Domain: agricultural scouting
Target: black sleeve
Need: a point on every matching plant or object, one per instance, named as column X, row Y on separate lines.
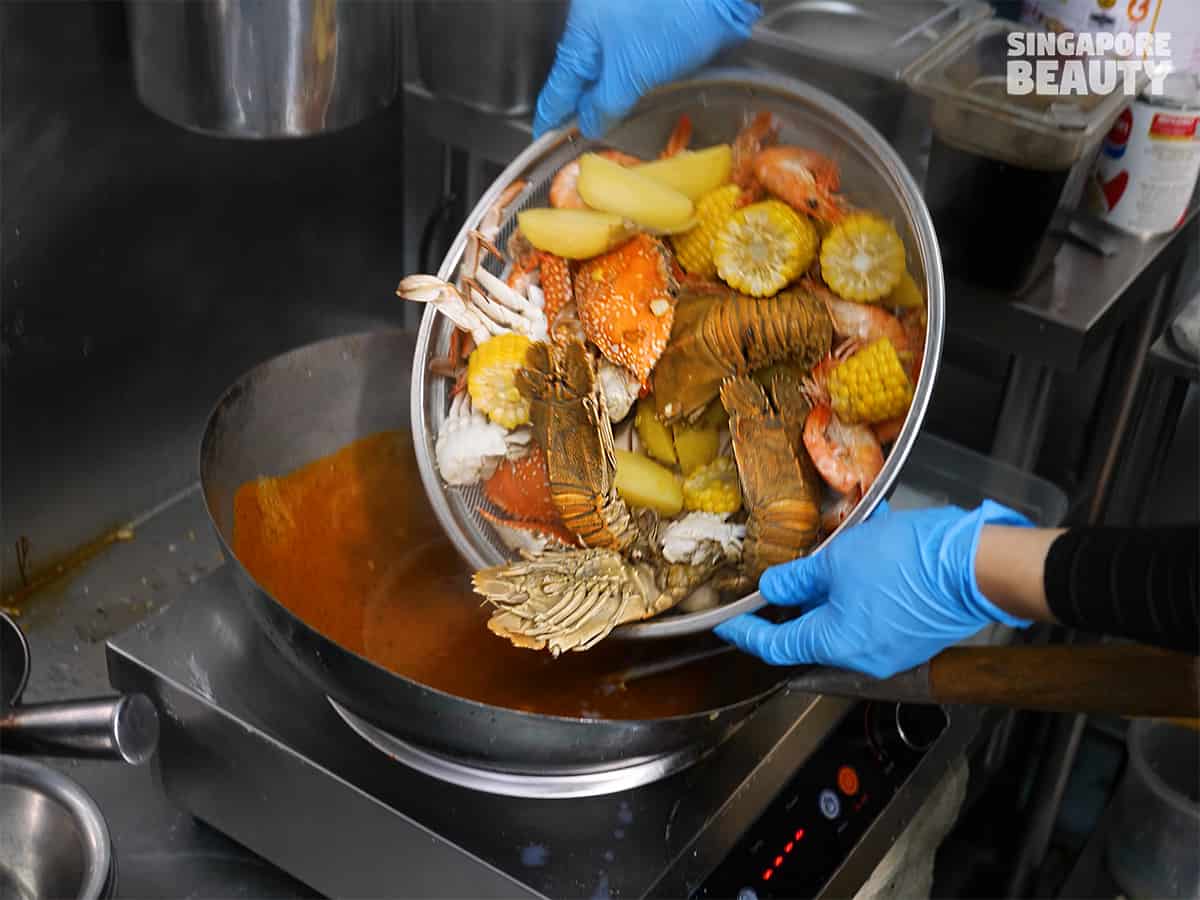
column 1137, row 583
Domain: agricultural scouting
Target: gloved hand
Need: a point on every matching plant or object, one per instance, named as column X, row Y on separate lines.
column 613, row 51
column 883, row 597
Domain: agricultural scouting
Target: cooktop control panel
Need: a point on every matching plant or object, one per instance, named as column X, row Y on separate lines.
column 799, row 841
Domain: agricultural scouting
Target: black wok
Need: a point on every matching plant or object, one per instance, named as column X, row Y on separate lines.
column 313, row 401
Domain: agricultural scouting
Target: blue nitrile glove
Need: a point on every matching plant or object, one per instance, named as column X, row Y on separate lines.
column 613, row 51
column 883, row 597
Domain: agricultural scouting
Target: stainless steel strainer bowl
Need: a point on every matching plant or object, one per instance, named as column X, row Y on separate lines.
column 719, row 102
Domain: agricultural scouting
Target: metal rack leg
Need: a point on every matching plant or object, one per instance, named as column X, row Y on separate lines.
column 1050, row 785
column 1148, row 329
column 1060, row 757
column 1024, row 409
column 1162, row 446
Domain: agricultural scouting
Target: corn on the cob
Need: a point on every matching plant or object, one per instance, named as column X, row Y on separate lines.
column 491, row 379
column 870, row 386
column 713, row 488
column 693, row 248
column 862, row 258
column 764, row 246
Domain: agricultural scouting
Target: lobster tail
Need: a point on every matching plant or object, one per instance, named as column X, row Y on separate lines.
column 717, row 336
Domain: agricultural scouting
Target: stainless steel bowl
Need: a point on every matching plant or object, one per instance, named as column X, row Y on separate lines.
column 254, row 69
column 873, row 176
column 53, row 839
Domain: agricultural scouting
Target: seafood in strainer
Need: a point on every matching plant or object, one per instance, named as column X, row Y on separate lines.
column 749, row 426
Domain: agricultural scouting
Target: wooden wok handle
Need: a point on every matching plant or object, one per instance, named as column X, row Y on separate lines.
column 1117, row 679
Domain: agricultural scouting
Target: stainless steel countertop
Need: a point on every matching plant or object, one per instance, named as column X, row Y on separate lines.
column 160, row 850
column 1077, row 304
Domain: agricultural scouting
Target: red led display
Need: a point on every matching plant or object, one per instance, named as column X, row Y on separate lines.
column 787, row 848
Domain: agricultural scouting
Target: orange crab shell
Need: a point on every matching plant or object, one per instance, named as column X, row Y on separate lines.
column 556, row 284
column 626, row 303
column 522, row 488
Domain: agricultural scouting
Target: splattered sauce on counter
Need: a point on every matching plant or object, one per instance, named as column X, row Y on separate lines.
column 350, row 545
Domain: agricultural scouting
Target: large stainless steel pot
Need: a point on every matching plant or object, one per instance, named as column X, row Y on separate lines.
column 313, row 401
column 490, row 55
column 255, row 69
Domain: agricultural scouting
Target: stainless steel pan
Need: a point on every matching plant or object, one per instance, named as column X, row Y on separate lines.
column 313, row 401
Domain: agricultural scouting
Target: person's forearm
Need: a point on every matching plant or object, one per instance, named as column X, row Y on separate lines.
column 1136, row 583
column 1009, row 569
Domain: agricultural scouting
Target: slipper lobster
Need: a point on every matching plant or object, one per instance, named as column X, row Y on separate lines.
column 716, row 337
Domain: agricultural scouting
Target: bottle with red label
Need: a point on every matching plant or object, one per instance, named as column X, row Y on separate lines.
column 1148, row 165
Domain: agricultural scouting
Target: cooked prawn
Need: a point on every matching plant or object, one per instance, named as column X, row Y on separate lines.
column 806, row 180
column 835, row 512
column 848, row 457
column 914, row 323
column 864, row 322
column 564, row 193
column 680, row 137
column 761, row 132
column 887, row 431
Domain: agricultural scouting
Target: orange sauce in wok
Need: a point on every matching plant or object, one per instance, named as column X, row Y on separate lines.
column 350, row 545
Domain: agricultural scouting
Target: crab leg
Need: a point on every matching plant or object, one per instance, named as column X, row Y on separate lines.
column 448, row 301
column 502, row 306
column 488, row 230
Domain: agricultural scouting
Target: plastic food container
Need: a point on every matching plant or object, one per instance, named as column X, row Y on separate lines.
column 858, row 50
column 1155, row 830
column 1005, row 172
column 940, row 473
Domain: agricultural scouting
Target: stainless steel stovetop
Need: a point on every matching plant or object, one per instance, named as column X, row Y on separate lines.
column 253, row 749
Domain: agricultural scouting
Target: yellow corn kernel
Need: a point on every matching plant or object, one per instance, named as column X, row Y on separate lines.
column 713, row 488
column 762, row 247
column 693, row 248
column 491, row 379
column 870, row 386
column 862, row 258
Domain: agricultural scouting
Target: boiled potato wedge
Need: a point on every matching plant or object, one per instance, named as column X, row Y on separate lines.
column 714, row 416
column 693, row 172
column 696, row 446
column 573, row 233
column 906, row 295
column 656, row 437
column 643, row 482
column 612, row 188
